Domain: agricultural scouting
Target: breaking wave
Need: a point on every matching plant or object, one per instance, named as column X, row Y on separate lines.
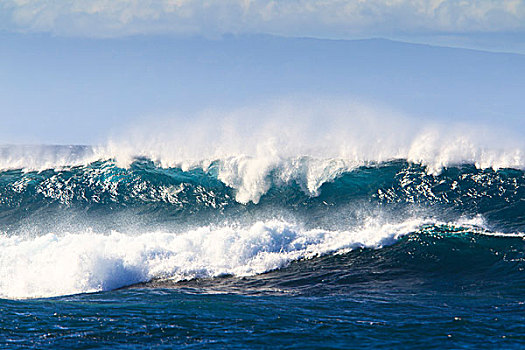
column 245, row 196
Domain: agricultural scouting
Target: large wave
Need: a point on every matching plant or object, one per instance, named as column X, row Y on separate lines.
column 245, row 193
column 69, row 263
column 104, row 187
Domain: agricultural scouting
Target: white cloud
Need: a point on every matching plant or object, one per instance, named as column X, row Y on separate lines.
column 319, row 18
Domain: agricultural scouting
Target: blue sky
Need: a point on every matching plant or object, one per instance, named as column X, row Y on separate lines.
column 75, row 71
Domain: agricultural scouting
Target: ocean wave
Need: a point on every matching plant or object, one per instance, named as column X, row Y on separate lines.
column 161, row 199
column 177, row 192
column 68, row 263
column 306, row 142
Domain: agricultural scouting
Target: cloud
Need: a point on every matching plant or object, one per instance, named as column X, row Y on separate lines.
column 317, row 18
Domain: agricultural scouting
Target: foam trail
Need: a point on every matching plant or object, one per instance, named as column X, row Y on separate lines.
column 70, row 263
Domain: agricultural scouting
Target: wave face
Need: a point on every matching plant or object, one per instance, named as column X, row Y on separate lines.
column 94, row 226
column 103, row 187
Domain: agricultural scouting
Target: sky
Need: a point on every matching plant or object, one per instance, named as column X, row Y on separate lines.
column 75, row 71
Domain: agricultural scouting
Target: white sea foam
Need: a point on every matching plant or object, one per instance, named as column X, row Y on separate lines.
column 69, row 263
column 309, row 143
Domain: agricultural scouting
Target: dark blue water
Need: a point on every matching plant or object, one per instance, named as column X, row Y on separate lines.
column 384, row 255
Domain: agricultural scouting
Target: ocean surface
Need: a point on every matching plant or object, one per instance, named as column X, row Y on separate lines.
column 281, row 251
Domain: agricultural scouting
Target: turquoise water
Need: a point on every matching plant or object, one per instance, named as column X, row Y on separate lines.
column 382, row 255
